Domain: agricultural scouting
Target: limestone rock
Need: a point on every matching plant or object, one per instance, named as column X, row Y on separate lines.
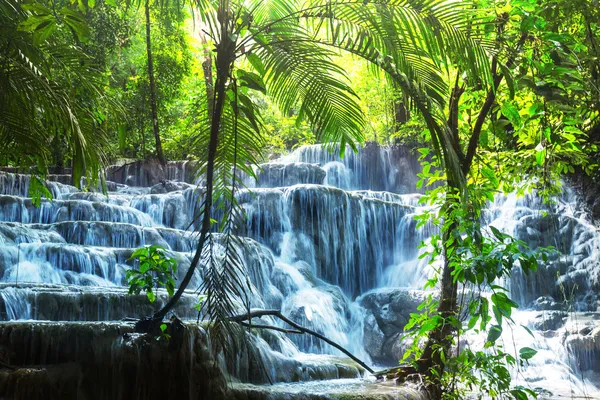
column 549, row 320
column 169, row 186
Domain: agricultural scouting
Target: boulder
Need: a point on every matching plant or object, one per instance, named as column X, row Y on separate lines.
column 169, row 186
column 287, row 174
column 386, row 312
column 392, row 307
column 585, row 348
column 549, row 320
column 546, row 303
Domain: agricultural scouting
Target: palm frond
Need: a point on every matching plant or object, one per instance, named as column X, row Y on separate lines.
column 53, row 88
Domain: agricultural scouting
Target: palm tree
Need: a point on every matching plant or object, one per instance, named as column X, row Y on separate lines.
column 290, row 47
column 49, row 89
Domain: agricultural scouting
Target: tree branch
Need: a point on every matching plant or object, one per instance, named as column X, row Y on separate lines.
column 487, row 105
column 271, row 327
column 255, row 313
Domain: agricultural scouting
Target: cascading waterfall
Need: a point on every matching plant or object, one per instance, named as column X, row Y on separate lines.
column 331, row 242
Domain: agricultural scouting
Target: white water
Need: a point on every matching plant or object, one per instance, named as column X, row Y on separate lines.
column 332, row 243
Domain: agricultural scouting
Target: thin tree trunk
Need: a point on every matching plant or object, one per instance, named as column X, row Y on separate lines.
column 401, row 112
column 440, row 339
column 143, row 142
column 224, row 62
column 159, row 150
column 439, row 342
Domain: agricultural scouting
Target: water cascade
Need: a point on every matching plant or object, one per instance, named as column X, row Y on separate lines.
column 330, row 242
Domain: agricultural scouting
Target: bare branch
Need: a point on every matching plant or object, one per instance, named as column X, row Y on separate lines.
column 271, row 327
column 255, row 313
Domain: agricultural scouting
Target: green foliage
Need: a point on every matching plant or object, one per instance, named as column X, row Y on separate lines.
column 479, row 259
column 52, row 97
column 156, row 270
column 37, row 190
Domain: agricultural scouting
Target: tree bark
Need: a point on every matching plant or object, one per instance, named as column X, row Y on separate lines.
column 153, row 105
column 440, row 339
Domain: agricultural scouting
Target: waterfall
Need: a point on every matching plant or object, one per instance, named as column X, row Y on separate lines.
column 332, row 242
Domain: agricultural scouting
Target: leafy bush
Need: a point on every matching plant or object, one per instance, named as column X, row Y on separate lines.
column 156, row 270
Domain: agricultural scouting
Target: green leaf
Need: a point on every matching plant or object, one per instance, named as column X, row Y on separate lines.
column 144, row 267
column 37, row 190
column 163, row 328
column 151, row 296
column 509, row 80
column 430, row 324
column 494, row 334
column 40, row 26
column 499, row 235
column 519, row 394
column 510, row 111
column 256, row 63
column 528, row 330
column 540, row 154
column 252, row 80
column 77, row 22
column 527, row 353
column 490, row 175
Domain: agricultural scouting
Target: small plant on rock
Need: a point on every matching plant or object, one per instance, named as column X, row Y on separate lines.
column 156, row 269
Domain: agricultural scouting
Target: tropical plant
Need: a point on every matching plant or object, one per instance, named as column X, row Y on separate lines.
column 156, row 270
column 496, row 145
column 50, row 89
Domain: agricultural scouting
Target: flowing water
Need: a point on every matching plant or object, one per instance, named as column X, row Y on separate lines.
column 331, row 242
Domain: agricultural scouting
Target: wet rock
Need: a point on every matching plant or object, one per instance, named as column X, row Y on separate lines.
column 288, row 174
column 386, row 314
column 322, row 309
column 585, row 349
column 83, row 303
column 392, row 307
column 326, row 390
column 342, row 228
column 169, row 186
column 549, row 320
column 546, row 303
column 373, row 167
column 105, row 361
column 373, row 338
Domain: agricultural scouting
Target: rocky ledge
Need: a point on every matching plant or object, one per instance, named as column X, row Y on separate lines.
column 74, row 360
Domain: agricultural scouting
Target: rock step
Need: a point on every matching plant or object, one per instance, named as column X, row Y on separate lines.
column 56, row 302
column 19, row 209
column 356, row 389
column 98, row 234
column 106, row 361
column 73, row 264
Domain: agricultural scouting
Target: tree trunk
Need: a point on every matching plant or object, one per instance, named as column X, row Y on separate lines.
column 431, row 362
column 399, row 107
column 153, row 106
column 401, row 114
column 439, row 342
column 224, row 62
column 206, row 67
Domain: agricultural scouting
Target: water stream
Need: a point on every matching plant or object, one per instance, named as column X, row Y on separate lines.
column 331, row 242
